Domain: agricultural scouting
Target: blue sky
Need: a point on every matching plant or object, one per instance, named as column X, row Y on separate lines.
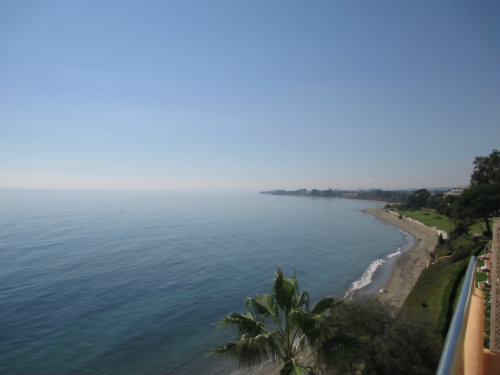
column 247, row 95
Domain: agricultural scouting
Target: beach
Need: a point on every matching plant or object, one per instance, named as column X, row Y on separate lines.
column 408, row 265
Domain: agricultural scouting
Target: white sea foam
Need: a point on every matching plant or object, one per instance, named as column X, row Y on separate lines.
column 395, row 254
column 366, row 278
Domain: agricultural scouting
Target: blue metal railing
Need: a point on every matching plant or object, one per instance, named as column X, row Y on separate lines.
column 451, row 361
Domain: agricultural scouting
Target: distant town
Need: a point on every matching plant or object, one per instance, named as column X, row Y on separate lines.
column 391, row 196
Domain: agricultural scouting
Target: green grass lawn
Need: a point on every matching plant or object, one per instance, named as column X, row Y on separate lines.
column 433, row 219
column 480, row 226
column 430, row 218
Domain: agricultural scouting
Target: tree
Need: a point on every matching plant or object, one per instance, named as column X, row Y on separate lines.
column 277, row 326
column 381, row 342
column 435, row 200
column 445, row 207
column 486, row 169
column 418, row 199
column 479, row 202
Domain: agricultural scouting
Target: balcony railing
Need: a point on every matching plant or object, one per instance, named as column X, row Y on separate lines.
column 452, row 357
column 464, row 351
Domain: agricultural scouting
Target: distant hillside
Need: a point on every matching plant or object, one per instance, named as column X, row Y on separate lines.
column 393, row 196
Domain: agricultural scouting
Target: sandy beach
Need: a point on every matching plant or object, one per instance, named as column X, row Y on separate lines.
column 409, row 265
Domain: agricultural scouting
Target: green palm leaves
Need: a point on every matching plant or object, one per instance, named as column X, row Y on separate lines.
column 256, row 343
column 277, row 326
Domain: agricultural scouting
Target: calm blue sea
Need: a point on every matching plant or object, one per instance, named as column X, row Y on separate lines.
column 132, row 282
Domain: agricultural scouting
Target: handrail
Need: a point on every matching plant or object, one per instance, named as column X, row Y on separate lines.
column 452, row 356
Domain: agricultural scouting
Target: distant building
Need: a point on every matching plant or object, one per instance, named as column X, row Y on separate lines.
column 455, row 192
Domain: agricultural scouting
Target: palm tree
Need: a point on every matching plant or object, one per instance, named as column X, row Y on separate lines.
column 277, row 326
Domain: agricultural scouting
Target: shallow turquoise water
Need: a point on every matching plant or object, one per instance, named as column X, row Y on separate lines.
column 132, row 282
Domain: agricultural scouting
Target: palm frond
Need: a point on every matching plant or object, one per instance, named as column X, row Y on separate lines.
column 285, row 291
column 328, row 303
column 250, row 350
column 318, row 324
column 313, row 326
column 243, row 323
column 293, row 368
column 303, row 300
column 298, row 317
column 290, row 321
column 264, row 305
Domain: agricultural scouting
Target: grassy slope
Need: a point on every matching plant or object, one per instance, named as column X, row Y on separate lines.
column 480, row 227
column 433, row 219
column 461, row 244
column 434, row 290
column 430, row 218
column 438, row 287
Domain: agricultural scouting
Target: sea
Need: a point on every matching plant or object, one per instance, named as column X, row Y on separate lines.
column 129, row 282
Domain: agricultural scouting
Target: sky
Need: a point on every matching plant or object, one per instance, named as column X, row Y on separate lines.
column 247, row 95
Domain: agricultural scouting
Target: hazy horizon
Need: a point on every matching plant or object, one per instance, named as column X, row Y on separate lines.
column 230, row 97
column 218, row 191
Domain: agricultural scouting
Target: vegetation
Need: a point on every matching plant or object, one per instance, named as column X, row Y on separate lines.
column 481, row 277
column 365, row 336
column 479, row 202
column 430, row 218
column 372, row 194
column 360, row 336
column 433, row 218
column 482, row 199
column 277, row 326
column 437, row 288
column 433, row 291
column 486, row 169
column 379, row 341
column 418, row 199
column 423, row 198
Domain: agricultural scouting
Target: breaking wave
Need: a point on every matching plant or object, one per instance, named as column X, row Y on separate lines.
column 366, row 278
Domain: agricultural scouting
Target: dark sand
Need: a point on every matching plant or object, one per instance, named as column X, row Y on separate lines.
column 409, row 265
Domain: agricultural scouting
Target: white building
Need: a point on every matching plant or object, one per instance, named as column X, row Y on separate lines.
column 455, row 192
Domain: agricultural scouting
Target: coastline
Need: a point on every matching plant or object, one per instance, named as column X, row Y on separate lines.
column 408, row 266
column 404, row 274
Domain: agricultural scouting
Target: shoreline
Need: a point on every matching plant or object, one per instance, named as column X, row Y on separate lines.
column 409, row 265
column 405, row 272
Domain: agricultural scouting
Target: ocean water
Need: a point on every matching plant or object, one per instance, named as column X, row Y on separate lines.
column 133, row 282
